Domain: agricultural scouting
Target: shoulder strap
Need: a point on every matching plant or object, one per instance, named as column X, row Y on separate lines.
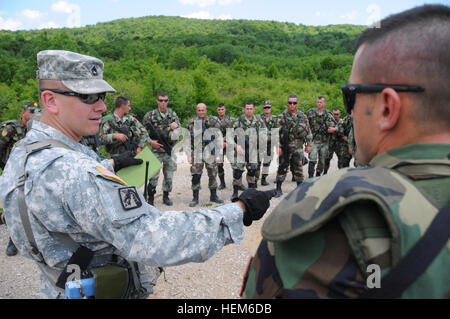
column 417, row 260
column 81, row 256
column 23, row 209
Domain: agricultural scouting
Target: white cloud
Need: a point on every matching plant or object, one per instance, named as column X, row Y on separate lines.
column 49, row 25
column 9, row 24
column 206, row 3
column 225, row 17
column 207, row 16
column 32, row 14
column 64, row 7
column 352, row 15
column 199, row 15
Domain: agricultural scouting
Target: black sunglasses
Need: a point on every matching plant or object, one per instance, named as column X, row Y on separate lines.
column 85, row 98
column 349, row 91
column 161, row 100
column 292, row 103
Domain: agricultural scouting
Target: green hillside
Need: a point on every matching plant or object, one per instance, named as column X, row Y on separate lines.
column 208, row 61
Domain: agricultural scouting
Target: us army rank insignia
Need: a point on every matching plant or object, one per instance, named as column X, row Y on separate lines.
column 129, row 198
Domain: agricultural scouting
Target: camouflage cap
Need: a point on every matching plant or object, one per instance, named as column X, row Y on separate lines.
column 81, row 73
column 30, row 105
column 267, row 103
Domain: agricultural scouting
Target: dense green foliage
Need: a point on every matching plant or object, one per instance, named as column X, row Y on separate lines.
column 208, row 61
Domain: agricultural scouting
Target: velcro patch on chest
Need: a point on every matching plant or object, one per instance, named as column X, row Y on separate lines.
column 129, row 198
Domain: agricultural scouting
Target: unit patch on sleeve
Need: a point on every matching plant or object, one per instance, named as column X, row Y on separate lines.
column 129, row 198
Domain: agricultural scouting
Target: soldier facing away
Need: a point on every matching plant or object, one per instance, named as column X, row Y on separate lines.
column 11, row 132
column 381, row 231
column 64, row 207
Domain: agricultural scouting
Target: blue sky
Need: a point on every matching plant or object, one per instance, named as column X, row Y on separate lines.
column 32, row 14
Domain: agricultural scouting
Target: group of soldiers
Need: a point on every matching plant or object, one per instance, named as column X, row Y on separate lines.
column 319, row 132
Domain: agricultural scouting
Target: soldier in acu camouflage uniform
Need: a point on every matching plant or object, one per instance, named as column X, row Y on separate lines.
column 60, row 199
column 248, row 122
column 197, row 128
column 225, row 122
column 165, row 120
column 294, row 133
column 321, row 123
column 121, row 132
column 11, row 132
column 270, row 121
column 380, row 231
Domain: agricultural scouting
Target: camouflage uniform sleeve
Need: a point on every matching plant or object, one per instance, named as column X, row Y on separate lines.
column 314, row 265
column 176, row 119
column 106, row 133
column 144, row 139
column 139, row 231
column 6, row 139
column 309, row 137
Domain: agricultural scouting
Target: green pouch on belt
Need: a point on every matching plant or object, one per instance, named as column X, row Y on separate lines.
column 110, row 282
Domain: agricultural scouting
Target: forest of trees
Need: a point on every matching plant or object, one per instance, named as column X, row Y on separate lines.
column 210, row 61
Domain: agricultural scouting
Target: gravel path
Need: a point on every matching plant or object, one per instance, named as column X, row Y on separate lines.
column 219, row 277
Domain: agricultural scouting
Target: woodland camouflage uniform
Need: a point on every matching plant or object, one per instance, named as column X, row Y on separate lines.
column 320, row 240
column 319, row 124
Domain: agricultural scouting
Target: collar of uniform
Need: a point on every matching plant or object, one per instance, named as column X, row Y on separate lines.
column 413, row 153
column 116, row 117
column 53, row 133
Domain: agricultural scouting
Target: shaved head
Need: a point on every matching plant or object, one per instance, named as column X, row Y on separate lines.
column 411, row 48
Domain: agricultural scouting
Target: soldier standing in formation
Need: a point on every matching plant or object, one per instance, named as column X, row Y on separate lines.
column 320, row 122
column 225, row 122
column 121, row 132
column 164, row 121
column 197, row 128
column 294, row 133
column 338, row 142
column 381, row 231
column 270, row 121
column 11, row 132
column 249, row 123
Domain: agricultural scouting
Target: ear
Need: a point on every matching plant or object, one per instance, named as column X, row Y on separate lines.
column 391, row 107
column 49, row 100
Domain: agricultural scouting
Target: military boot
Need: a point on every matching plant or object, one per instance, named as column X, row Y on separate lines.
column 252, row 185
column 151, row 197
column 194, row 201
column 242, row 187
column 235, row 192
column 214, row 198
column 222, row 182
column 11, row 250
column 311, row 169
column 263, row 180
column 279, row 192
column 166, row 199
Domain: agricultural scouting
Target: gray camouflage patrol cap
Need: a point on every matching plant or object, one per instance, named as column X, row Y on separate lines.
column 81, row 73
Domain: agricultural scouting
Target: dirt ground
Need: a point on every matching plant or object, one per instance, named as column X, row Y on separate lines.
column 219, row 277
